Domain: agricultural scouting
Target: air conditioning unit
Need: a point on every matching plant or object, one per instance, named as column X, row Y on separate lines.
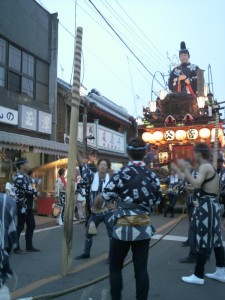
column 66, row 138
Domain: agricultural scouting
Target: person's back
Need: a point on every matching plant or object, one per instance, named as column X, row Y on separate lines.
column 210, row 184
column 135, row 189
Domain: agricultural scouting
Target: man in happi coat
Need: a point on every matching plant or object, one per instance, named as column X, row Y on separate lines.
column 135, row 189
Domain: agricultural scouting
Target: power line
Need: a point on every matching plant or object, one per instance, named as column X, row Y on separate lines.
column 132, row 32
column 132, row 86
column 141, row 31
column 153, row 65
column 102, row 63
column 131, row 51
column 100, row 24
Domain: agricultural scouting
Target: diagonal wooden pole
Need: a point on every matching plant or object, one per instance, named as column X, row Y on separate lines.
column 69, row 207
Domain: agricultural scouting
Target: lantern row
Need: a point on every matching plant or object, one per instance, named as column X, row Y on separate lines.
column 191, row 134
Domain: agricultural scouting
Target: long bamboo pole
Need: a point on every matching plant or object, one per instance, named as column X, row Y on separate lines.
column 69, row 208
column 216, row 142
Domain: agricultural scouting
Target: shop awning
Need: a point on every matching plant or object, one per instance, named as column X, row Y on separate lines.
column 22, row 142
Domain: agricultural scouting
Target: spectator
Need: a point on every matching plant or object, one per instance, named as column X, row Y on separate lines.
column 81, row 199
column 60, row 195
column 23, row 189
column 173, row 191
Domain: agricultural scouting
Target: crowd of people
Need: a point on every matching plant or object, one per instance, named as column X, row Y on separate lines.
column 124, row 202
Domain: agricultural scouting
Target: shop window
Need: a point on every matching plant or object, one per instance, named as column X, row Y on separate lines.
column 2, row 76
column 28, row 65
column 14, row 82
column 2, row 51
column 14, row 58
column 27, row 87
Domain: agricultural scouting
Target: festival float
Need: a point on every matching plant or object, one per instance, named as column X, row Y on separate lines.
column 183, row 114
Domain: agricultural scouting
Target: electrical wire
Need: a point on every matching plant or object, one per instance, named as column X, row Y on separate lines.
column 75, row 28
column 132, row 86
column 133, row 33
column 89, row 6
column 153, row 65
column 146, row 37
column 125, row 44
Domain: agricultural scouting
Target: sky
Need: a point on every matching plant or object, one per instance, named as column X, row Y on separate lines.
column 153, row 30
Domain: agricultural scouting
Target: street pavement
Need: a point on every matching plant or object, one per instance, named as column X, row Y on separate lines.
column 39, row 273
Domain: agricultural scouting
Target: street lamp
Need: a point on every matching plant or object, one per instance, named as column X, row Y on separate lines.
column 201, row 102
column 152, row 106
column 162, row 94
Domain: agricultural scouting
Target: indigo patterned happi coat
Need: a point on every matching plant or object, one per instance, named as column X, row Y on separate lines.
column 8, row 238
column 135, row 189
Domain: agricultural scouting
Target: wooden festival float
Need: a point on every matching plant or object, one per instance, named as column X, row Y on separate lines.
column 174, row 122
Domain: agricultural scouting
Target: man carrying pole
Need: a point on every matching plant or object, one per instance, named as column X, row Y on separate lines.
column 69, row 208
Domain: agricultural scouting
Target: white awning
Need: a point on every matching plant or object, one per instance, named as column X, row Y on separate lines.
column 14, row 141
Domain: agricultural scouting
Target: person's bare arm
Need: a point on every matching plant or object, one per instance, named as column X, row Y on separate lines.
column 174, row 167
column 195, row 182
column 79, row 159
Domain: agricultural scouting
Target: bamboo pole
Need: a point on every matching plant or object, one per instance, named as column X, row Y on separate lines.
column 69, row 206
column 216, row 142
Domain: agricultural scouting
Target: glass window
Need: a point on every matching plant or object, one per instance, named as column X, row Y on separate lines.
column 2, row 77
column 27, row 87
column 28, row 64
column 42, row 72
column 42, row 93
column 14, row 82
column 2, row 50
column 14, row 58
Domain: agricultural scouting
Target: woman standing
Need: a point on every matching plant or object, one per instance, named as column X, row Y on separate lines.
column 60, row 194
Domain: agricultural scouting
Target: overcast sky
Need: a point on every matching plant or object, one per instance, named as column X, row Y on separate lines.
column 151, row 29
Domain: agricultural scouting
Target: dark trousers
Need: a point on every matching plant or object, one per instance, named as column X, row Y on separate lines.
column 88, row 208
column 170, row 208
column 97, row 220
column 30, row 222
column 28, row 219
column 118, row 252
column 21, row 220
column 201, row 260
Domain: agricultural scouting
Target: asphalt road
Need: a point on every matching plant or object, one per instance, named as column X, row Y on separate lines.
column 39, row 273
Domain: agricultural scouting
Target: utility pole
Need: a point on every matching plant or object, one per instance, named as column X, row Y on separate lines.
column 216, row 141
column 69, row 206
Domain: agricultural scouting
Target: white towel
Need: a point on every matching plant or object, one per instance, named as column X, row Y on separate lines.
column 95, row 183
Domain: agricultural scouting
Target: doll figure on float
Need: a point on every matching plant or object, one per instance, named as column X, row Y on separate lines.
column 183, row 78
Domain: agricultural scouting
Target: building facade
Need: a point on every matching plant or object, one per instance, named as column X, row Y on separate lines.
column 28, row 83
column 109, row 126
